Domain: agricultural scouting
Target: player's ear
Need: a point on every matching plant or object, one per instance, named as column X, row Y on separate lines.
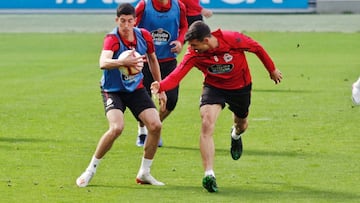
column 206, row 40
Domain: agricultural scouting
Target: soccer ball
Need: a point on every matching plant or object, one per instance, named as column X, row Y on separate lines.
column 125, row 70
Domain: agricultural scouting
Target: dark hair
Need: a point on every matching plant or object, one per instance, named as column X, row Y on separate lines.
column 198, row 30
column 125, row 9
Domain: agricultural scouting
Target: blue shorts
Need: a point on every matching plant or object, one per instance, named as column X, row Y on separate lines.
column 136, row 101
column 238, row 100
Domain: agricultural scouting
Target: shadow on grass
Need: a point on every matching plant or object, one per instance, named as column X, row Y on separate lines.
column 272, row 153
column 245, row 152
column 180, row 148
column 22, row 139
column 290, row 192
column 247, row 192
column 284, row 91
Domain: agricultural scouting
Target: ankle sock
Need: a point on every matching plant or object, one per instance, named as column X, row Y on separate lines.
column 209, row 173
column 142, row 130
column 234, row 135
column 93, row 164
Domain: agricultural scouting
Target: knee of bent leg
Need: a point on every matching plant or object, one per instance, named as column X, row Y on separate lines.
column 207, row 121
column 154, row 126
column 116, row 129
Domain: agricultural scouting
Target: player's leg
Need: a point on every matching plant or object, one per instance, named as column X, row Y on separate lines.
column 142, row 130
column 152, row 121
column 146, row 112
column 211, row 104
column 239, row 127
column 239, row 102
column 172, row 95
column 116, row 125
column 209, row 114
column 114, row 109
column 150, row 118
column 172, row 98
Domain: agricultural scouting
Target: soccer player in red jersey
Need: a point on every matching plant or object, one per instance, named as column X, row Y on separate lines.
column 220, row 55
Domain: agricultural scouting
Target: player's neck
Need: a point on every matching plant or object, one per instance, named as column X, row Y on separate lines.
column 128, row 36
column 213, row 42
column 163, row 2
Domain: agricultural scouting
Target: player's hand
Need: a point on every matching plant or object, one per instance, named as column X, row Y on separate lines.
column 162, row 101
column 155, row 86
column 133, row 61
column 176, row 46
column 206, row 13
column 276, row 76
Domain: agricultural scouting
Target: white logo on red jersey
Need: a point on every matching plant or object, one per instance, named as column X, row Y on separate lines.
column 227, row 57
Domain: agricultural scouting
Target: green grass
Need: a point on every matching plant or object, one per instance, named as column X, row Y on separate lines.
column 302, row 144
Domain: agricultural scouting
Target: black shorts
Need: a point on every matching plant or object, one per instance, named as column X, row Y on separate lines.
column 238, row 100
column 136, row 101
column 165, row 68
column 192, row 19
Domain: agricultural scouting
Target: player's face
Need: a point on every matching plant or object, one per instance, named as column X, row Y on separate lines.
column 126, row 23
column 199, row 46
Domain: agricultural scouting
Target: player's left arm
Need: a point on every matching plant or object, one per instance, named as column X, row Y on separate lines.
column 183, row 27
column 250, row 45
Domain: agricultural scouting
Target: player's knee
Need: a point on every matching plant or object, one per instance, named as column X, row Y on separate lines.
column 154, row 127
column 116, row 130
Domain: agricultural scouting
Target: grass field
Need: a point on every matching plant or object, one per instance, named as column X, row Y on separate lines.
column 302, row 144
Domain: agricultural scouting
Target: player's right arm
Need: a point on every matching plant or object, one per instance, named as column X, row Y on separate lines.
column 139, row 10
column 106, row 60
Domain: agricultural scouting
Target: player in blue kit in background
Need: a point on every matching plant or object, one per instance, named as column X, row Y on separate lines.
column 121, row 91
column 166, row 20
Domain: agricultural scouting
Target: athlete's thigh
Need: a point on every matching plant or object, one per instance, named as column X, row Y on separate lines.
column 211, row 95
column 115, row 118
column 113, row 100
column 150, row 116
column 239, row 101
column 210, row 112
column 138, row 101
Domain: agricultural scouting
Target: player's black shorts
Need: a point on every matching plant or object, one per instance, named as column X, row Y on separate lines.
column 238, row 100
column 165, row 68
column 192, row 19
column 136, row 101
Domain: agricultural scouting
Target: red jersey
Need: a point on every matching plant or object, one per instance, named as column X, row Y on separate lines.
column 112, row 43
column 193, row 7
column 225, row 66
column 160, row 7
